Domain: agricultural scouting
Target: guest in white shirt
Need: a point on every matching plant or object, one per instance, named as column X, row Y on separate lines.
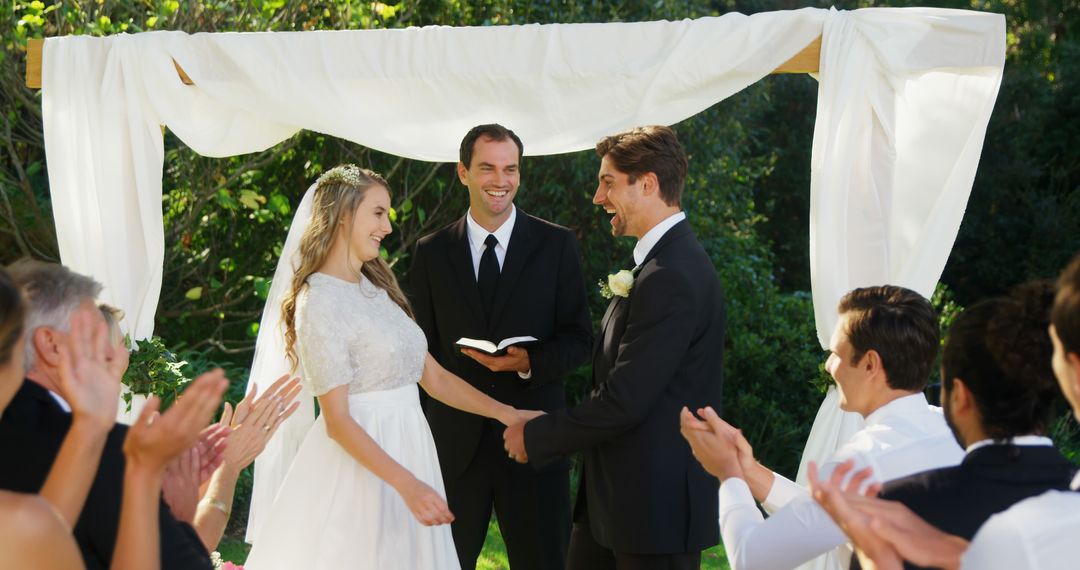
column 1037, row 533
column 883, row 348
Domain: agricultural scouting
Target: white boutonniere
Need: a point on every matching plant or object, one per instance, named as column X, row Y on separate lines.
column 618, row 284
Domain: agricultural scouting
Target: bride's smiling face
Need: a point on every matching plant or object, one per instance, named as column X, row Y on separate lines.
column 370, row 223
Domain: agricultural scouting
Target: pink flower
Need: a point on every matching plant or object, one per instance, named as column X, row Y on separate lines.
column 231, row 566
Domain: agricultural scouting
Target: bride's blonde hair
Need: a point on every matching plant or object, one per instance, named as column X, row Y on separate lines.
column 338, row 193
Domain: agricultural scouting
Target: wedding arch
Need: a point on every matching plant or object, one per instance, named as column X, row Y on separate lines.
column 904, row 98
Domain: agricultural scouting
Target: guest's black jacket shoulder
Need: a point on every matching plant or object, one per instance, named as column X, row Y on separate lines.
column 990, row 479
column 31, row 430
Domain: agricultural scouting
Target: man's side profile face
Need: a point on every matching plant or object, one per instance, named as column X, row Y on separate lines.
column 619, row 197
column 47, row 340
column 492, row 177
column 851, row 378
column 1067, row 370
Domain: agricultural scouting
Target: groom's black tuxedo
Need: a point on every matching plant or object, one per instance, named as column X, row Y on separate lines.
column 31, row 430
column 540, row 293
column 990, row 479
column 660, row 349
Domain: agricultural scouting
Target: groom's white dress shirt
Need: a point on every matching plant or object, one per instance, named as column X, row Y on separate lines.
column 648, row 241
column 903, row 437
column 1035, row 534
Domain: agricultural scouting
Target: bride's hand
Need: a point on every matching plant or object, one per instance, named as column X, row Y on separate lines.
column 515, row 416
column 426, row 505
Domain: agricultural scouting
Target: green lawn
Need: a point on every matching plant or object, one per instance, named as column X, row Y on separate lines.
column 493, row 556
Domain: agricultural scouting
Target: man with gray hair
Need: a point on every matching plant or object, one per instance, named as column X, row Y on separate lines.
column 34, row 425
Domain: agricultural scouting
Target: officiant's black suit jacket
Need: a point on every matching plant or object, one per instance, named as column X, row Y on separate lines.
column 660, row 349
column 540, row 293
column 990, row 479
column 31, row 430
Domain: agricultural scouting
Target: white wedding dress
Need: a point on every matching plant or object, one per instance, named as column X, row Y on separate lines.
column 331, row 512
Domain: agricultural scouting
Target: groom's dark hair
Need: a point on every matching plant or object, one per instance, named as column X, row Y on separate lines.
column 900, row 325
column 492, row 131
column 653, row 149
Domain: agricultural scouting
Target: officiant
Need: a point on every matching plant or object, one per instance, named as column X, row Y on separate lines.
column 495, row 273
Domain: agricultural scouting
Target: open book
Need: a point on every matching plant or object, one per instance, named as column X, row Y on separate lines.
column 492, row 348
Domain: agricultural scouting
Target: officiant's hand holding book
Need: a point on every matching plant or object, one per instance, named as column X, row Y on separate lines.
column 507, row 356
column 488, row 347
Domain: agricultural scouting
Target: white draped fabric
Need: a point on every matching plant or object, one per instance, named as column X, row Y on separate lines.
column 904, row 100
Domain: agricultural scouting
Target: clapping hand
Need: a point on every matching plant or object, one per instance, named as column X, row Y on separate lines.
column 156, row 439
column 714, row 443
column 186, row 474
column 86, row 383
column 256, row 420
column 884, row 532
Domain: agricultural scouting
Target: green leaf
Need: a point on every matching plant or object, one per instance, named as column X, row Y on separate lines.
column 225, row 200
column 393, row 215
column 227, row 264
column 253, row 330
column 407, row 205
column 194, row 294
column 262, row 287
column 279, row 204
column 251, row 199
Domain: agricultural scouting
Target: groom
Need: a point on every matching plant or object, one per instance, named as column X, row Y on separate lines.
column 644, row 502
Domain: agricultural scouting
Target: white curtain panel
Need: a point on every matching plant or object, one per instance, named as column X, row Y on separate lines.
column 904, row 99
column 903, row 102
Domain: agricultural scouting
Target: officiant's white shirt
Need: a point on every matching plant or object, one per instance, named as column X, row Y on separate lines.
column 1036, row 534
column 903, row 437
column 648, row 241
column 477, row 235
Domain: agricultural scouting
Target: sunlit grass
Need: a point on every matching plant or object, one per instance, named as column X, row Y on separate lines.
column 493, row 557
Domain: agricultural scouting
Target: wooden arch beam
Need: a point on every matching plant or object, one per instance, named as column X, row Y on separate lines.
column 806, row 61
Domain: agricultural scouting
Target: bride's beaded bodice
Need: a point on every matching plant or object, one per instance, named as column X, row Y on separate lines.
column 349, row 333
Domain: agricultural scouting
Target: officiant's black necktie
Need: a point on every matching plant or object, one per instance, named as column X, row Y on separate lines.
column 488, row 276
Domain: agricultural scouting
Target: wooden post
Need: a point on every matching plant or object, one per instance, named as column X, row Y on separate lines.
column 806, row 61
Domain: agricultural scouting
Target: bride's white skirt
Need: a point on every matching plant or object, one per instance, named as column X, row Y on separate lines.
column 333, row 513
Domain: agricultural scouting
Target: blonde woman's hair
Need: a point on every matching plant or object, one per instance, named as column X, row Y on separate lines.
column 338, row 193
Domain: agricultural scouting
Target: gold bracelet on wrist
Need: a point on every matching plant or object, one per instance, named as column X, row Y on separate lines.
column 225, row 510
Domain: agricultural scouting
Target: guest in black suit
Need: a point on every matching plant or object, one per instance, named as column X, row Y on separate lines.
column 36, row 421
column 999, row 395
column 644, row 501
column 497, row 273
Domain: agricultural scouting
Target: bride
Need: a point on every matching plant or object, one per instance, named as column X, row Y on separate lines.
column 364, row 490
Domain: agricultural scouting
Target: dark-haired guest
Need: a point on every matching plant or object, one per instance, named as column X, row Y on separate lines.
column 883, row 348
column 1035, row 534
column 999, row 395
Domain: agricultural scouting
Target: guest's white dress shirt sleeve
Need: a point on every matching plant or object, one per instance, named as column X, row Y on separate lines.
column 1035, row 534
column 796, row 533
column 783, row 491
